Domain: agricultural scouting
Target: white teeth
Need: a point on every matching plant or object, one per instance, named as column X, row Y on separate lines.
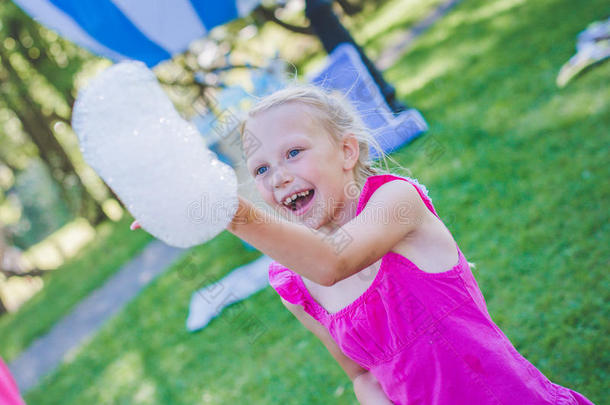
column 293, row 197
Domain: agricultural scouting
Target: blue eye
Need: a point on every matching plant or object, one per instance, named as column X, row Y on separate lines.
column 261, row 170
column 293, row 154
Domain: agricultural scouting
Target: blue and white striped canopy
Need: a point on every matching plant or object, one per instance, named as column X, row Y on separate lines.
column 147, row 30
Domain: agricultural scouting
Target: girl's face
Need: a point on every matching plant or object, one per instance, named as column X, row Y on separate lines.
column 291, row 154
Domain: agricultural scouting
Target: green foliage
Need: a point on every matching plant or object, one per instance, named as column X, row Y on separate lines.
column 43, row 210
column 113, row 246
column 37, row 75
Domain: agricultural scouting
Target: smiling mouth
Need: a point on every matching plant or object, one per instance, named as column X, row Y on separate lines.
column 300, row 203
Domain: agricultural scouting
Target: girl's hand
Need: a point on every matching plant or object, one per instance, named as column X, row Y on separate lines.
column 134, row 225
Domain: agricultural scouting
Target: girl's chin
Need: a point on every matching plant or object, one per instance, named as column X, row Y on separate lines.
column 311, row 223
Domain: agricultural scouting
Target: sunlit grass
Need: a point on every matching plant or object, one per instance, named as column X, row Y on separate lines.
column 392, row 15
column 247, row 353
column 113, row 245
column 60, row 245
column 522, row 178
column 49, row 254
column 520, row 181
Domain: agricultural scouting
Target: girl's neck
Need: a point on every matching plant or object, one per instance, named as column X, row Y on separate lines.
column 347, row 213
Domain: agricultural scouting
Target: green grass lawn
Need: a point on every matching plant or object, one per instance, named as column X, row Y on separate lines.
column 522, row 176
column 64, row 287
column 517, row 170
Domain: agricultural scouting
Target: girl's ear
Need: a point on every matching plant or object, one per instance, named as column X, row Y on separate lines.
column 351, row 151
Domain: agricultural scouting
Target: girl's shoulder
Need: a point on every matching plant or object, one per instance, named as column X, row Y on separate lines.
column 286, row 283
column 376, row 181
column 282, row 279
column 372, row 183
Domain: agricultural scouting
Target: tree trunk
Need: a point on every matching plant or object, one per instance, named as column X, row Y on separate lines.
column 2, row 307
column 19, row 25
column 45, row 63
column 36, row 125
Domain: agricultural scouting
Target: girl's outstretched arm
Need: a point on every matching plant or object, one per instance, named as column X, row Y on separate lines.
column 366, row 387
column 394, row 210
column 295, row 246
column 368, row 391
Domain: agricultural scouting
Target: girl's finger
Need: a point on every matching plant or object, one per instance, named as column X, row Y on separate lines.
column 134, row 225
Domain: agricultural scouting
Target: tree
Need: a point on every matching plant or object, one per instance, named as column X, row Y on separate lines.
column 28, row 64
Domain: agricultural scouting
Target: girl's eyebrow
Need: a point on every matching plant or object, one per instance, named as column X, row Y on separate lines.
column 254, row 164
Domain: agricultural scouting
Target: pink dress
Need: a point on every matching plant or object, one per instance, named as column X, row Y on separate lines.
column 427, row 338
column 9, row 393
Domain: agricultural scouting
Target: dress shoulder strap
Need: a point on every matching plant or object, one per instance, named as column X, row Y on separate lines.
column 374, row 182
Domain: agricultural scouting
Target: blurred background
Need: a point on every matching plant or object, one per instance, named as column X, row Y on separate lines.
column 516, row 166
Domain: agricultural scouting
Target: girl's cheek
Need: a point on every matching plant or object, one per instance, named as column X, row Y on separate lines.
column 263, row 191
column 308, row 169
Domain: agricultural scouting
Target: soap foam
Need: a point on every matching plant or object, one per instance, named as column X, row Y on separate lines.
column 155, row 161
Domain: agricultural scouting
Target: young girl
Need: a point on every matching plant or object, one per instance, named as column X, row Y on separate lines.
column 365, row 263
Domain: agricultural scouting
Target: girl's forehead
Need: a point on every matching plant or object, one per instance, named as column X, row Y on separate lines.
column 290, row 114
column 283, row 122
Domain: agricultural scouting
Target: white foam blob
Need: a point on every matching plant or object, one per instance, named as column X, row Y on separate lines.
column 155, row 161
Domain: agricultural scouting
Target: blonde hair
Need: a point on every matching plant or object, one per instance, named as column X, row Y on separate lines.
column 337, row 116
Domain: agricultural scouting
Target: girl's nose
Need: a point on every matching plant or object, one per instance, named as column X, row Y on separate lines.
column 281, row 178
